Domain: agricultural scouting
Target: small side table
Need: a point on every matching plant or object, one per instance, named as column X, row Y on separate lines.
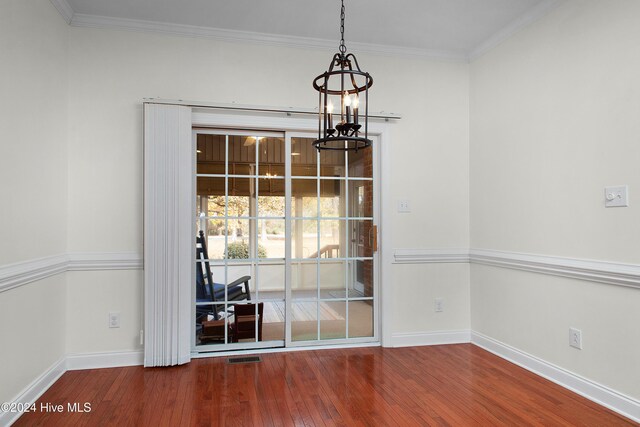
column 213, row 330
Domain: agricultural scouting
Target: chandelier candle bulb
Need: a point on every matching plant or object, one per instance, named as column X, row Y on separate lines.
column 356, row 103
column 347, row 107
column 330, row 115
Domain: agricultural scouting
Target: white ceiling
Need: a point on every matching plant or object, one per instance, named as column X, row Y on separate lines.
column 455, row 28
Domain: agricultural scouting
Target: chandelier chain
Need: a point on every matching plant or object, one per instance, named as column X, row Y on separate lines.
column 343, row 48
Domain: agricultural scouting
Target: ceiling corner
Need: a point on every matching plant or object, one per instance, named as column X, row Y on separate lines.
column 532, row 15
column 64, row 8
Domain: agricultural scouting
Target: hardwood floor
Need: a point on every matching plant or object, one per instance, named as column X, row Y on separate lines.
column 455, row 385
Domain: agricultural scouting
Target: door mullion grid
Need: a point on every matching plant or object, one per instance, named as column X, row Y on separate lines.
column 255, row 237
column 226, row 238
column 288, row 261
column 318, row 242
column 288, row 240
column 347, row 242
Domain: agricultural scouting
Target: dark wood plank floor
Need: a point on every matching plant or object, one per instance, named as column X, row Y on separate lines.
column 455, row 385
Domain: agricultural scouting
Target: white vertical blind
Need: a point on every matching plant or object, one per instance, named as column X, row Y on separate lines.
column 168, row 240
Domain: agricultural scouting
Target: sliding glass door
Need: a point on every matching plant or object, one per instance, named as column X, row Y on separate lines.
column 285, row 242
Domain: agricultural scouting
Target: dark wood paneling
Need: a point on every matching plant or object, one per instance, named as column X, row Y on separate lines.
column 455, row 385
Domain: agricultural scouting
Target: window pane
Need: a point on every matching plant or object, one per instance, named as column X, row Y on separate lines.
column 304, row 325
column 361, row 236
column 271, row 242
column 210, row 187
column 273, row 322
column 304, row 157
column 210, row 153
column 271, row 158
column 330, row 238
column 304, row 202
column 332, row 163
column 238, row 242
column 241, row 190
column 214, row 231
column 242, row 155
column 332, row 198
column 360, row 163
column 304, row 277
column 271, row 187
column 361, row 278
column 304, row 238
column 212, row 327
column 332, row 279
column 270, row 205
column 333, row 324
column 270, row 282
column 360, row 319
column 360, row 198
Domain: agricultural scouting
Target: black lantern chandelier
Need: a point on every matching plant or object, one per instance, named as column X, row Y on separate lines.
column 343, row 86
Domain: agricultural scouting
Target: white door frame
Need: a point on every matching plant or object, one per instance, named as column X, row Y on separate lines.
column 211, row 117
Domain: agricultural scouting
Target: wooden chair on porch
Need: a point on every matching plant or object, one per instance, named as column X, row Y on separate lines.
column 207, row 291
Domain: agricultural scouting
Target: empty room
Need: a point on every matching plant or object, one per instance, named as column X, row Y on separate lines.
column 318, row 213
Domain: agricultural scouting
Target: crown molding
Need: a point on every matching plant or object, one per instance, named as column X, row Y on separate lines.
column 533, row 15
column 64, row 8
column 590, row 270
column 138, row 25
column 235, row 36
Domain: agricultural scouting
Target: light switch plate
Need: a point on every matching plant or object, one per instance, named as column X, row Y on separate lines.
column 616, row 197
column 404, row 206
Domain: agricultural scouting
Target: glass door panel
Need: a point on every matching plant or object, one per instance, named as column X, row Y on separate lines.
column 284, row 245
column 331, row 246
column 240, row 226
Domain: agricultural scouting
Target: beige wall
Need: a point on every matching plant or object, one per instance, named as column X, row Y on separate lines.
column 554, row 119
column 33, row 193
column 112, row 71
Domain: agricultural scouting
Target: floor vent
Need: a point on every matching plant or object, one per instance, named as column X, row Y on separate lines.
column 250, row 359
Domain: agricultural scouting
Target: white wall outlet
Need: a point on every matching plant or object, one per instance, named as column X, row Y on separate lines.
column 114, row 319
column 404, row 206
column 438, row 305
column 616, row 197
column 575, row 338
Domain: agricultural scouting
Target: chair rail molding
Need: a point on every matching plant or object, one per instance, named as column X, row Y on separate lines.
column 87, row 261
column 427, row 256
column 611, row 273
column 22, row 273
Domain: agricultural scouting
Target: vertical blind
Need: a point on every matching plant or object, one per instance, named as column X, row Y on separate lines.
column 168, row 240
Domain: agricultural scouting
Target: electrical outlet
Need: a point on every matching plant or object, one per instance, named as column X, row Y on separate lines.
column 575, row 338
column 439, row 305
column 114, row 319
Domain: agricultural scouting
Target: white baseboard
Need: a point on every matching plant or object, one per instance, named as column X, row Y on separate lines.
column 34, row 390
column 430, row 338
column 598, row 393
column 112, row 359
